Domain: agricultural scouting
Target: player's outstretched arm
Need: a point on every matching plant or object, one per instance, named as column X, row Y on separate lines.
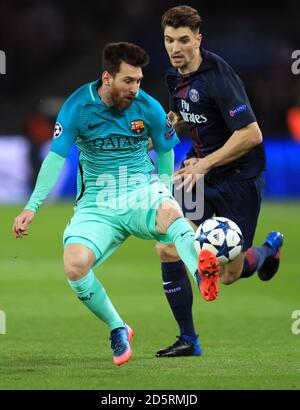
column 46, row 180
column 240, row 142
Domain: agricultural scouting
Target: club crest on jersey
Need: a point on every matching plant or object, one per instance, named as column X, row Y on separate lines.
column 194, row 95
column 137, row 126
column 58, row 129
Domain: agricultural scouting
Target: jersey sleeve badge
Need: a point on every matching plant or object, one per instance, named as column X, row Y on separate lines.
column 58, row 129
column 170, row 129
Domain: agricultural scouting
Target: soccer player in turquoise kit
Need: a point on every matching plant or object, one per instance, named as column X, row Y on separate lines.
column 111, row 120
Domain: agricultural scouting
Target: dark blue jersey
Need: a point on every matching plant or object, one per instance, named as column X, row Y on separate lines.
column 213, row 101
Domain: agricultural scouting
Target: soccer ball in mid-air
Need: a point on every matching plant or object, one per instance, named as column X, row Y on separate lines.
column 221, row 236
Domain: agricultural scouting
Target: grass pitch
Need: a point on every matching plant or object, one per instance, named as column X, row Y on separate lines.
column 53, row 342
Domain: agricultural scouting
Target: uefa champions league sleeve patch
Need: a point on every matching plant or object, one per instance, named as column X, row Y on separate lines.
column 169, row 123
column 170, row 130
column 237, row 110
column 58, row 129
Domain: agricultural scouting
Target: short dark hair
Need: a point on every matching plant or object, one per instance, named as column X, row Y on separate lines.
column 115, row 53
column 182, row 16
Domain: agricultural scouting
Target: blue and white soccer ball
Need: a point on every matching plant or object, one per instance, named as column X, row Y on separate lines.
column 221, row 236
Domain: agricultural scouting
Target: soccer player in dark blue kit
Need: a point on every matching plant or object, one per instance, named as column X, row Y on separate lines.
column 208, row 97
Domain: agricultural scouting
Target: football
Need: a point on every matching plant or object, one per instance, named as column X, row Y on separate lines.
column 221, row 236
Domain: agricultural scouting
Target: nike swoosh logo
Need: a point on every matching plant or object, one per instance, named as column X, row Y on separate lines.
column 166, row 283
column 182, row 234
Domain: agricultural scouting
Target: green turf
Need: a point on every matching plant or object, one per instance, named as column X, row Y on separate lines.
column 53, row 342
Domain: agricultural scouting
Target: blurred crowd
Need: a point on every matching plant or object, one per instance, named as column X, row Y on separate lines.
column 54, row 46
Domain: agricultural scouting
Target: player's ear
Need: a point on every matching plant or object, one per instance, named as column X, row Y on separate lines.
column 106, row 78
column 199, row 39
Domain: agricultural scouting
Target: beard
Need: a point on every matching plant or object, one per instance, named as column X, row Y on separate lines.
column 119, row 101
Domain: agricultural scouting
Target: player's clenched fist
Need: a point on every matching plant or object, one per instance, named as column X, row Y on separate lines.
column 20, row 227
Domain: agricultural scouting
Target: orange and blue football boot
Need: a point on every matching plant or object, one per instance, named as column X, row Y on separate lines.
column 208, row 275
column 121, row 339
column 271, row 264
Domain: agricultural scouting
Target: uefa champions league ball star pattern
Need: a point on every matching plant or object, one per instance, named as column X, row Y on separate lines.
column 221, row 236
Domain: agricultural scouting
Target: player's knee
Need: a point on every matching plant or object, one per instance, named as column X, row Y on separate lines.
column 227, row 279
column 230, row 276
column 168, row 212
column 166, row 253
column 77, row 261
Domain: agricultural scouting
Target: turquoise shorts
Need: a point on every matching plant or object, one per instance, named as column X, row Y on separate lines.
column 105, row 226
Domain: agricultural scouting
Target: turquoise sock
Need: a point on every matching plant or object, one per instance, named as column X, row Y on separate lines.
column 182, row 235
column 93, row 295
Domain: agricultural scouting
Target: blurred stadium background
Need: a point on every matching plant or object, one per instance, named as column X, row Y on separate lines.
column 54, row 46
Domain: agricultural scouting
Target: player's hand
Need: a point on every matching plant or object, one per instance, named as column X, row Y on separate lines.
column 195, row 169
column 20, row 226
column 175, row 119
column 190, row 161
column 180, row 126
column 172, row 116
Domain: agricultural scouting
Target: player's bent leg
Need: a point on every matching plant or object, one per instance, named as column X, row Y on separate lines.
column 170, row 220
column 79, row 260
column 231, row 272
column 178, row 291
column 203, row 267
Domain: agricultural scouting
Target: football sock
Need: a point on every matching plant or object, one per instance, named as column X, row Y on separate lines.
column 182, row 235
column 254, row 259
column 93, row 295
column 179, row 294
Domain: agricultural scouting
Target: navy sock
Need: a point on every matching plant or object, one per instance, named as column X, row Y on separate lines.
column 179, row 294
column 254, row 259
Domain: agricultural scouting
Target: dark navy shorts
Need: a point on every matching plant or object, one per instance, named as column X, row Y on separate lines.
column 237, row 200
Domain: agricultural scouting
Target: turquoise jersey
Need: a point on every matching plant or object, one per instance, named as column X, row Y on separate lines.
column 113, row 144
